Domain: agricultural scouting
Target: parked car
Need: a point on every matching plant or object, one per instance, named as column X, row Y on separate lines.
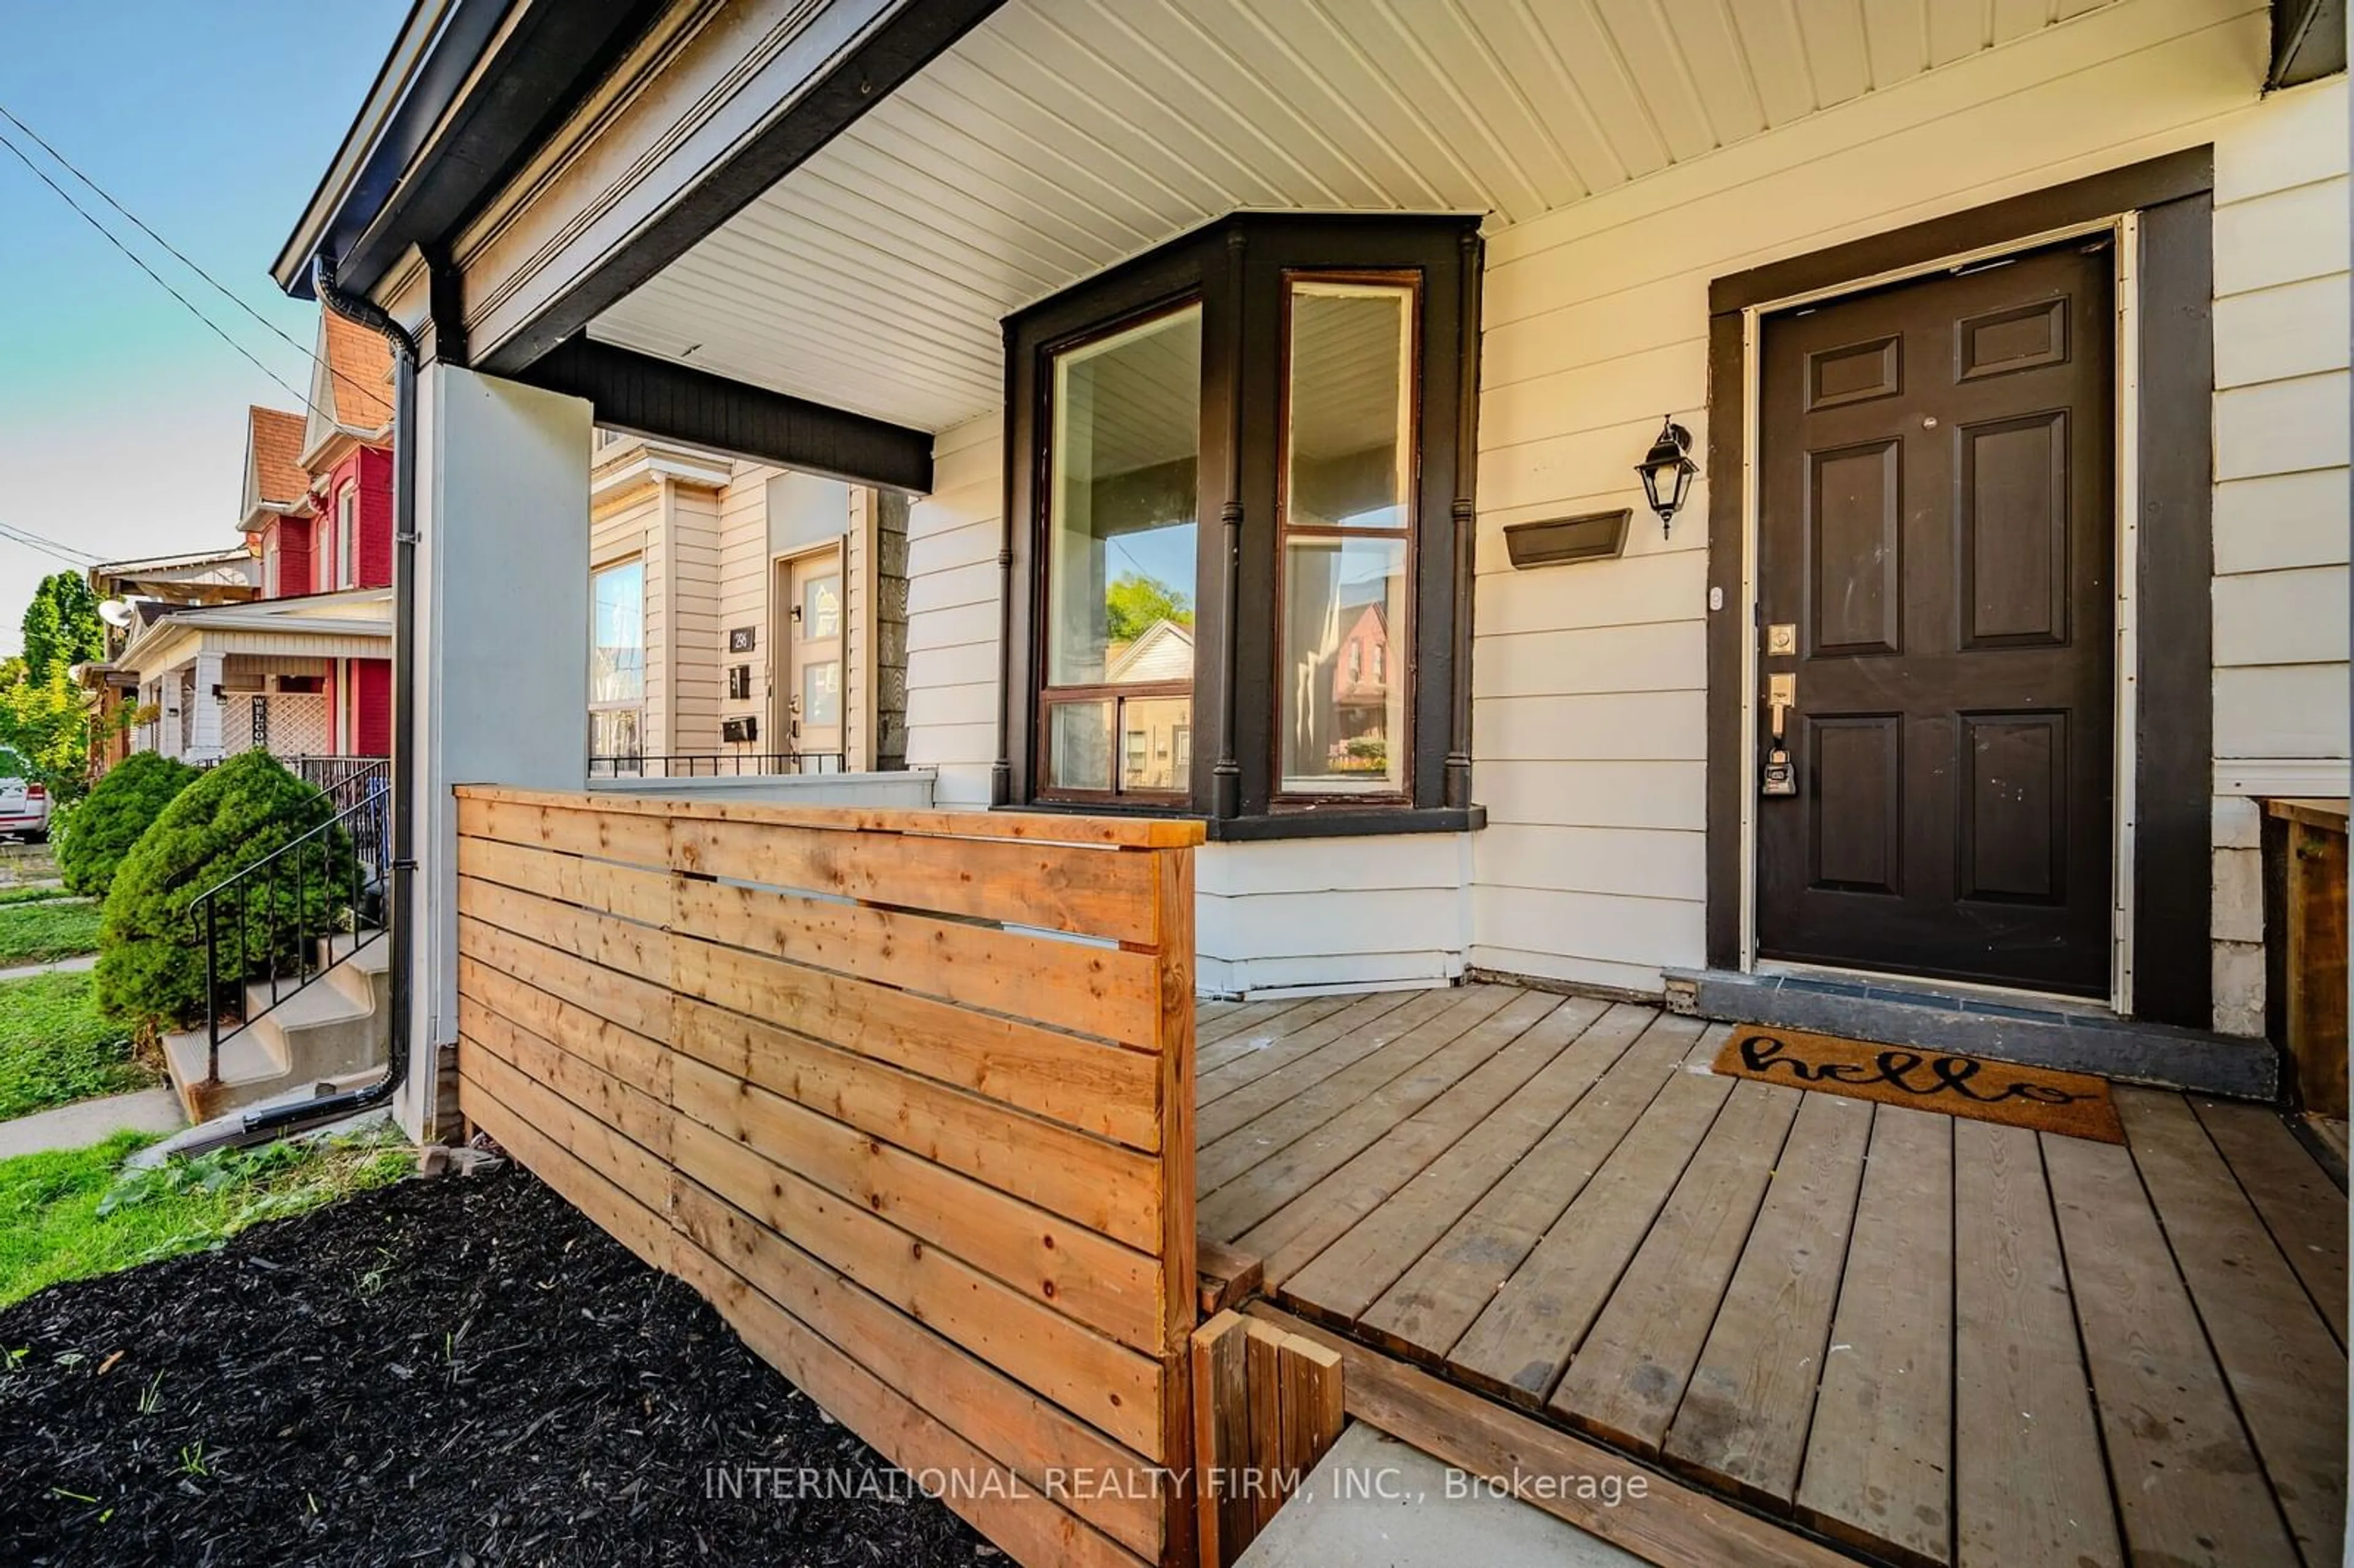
column 24, row 801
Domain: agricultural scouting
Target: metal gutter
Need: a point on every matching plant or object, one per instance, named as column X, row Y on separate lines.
column 289, row 1116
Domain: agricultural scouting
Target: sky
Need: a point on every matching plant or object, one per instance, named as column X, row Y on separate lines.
column 121, row 416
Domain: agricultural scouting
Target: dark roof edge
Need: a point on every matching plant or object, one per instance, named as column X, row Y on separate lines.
column 431, row 58
column 471, row 90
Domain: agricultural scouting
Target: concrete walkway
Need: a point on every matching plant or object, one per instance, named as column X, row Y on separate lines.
column 1375, row 1501
column 79, row 964
column 85, row 1122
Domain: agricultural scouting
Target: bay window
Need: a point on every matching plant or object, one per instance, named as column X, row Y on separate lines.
column 1121, row 547
column 1240, row 472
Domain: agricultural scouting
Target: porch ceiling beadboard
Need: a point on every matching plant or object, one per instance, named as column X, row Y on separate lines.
column 1062, row 135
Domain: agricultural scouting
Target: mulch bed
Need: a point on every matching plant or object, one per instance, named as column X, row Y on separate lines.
column 464, row 1370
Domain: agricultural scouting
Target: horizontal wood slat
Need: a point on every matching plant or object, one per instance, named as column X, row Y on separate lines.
column 907, row 1096
column 1105, row 1188
column 1053, row 887
column 1097, row 1088
column 1030, row 827
column 1087, row 990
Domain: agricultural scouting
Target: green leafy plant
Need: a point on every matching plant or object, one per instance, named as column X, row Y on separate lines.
column 151, row 959
column 51, row 1229
column 61, row 627
column 92, row 837
column 1134, row 603
column 39, row 932
column 45, row 725
column 56, row 1049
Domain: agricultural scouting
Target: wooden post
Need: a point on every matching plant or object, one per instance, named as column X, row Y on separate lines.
column 1221, row 1439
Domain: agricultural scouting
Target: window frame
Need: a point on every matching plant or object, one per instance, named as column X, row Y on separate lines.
column 619, row 705
column 1412, row 282
column 1239, row 268
column 346, row 567
column 1044, row 696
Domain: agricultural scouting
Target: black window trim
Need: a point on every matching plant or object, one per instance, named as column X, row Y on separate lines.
column 1238, row 268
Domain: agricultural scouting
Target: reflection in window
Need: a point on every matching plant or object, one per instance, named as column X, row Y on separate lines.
column 1348, row 517
column 1120, row 555
column 822, row 694
column 821, row 608
column 617, row 660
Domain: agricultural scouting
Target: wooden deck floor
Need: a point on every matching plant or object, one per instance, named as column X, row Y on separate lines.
column 1937, row 1341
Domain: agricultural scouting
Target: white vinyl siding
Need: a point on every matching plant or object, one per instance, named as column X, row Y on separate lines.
column 743, row 599
column 953, row 536
column 2281, row 284
column 691, row 648
column 1320, row 914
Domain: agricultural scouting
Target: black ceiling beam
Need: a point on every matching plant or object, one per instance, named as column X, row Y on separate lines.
column 666, row 401
column 898, row 47
column 2309, row 41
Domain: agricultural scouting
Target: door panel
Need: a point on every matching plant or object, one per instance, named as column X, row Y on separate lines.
column 1935, row 519
column 1855, row 541
column 1858, row 764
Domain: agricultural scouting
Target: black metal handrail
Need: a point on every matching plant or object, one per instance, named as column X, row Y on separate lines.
column 337, row 872
column 716, row 763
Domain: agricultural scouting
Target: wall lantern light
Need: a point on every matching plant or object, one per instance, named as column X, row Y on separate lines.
column 1668, row 470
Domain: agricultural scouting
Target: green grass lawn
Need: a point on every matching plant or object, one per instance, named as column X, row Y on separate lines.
column 48, row 928
column 55, row 1048
column 72, row 1214
column 33, row 894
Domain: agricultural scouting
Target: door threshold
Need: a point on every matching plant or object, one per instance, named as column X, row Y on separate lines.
column 2067, row 1034
column 1935, row 990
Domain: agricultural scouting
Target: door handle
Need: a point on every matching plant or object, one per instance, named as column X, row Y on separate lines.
column 1779, row 777
column 1781, row 697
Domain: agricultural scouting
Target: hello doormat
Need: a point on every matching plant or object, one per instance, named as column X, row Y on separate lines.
column 2071, row 1103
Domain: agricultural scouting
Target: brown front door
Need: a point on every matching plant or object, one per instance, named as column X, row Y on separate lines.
column 1935, row 569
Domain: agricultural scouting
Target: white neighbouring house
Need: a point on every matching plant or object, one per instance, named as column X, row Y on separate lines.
column 2011, row 343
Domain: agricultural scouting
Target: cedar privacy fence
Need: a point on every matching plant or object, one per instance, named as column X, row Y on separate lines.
column 907, row 1095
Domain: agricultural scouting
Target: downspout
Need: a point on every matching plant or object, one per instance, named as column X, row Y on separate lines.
column 367, row 312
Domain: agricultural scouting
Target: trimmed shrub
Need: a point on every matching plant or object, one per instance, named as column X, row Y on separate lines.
column 150, row 962
column 93, row 835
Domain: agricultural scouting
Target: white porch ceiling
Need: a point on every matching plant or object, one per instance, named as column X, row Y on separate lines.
column 1064, row 135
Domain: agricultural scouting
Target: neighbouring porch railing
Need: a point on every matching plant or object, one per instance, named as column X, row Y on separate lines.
column 717, row 764
column 907, row 1095
column 278, row 926
column 345, row 781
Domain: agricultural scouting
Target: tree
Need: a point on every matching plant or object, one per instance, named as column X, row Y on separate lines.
column 95, row 835
column 150, row 962
column 61, row 625
column 1134, row 602
column 46, row 723
column 44, row 716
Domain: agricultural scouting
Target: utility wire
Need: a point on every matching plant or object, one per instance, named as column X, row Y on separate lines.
column 34, row 542
column 218, row 286
column 110, row 238
column 27, row 536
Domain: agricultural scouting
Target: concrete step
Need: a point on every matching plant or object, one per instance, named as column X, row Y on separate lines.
column 248, row 1072
column 321, row 1030
column 334, row 1030
column 365, row 975
column 2058, row 1032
